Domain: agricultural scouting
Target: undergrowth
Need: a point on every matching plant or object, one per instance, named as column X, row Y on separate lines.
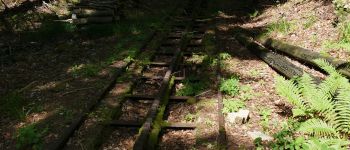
column 230, row 86
column 321, row 111
column 281, row 26
column 192, row 86
column 30, row 136
column 232, row 105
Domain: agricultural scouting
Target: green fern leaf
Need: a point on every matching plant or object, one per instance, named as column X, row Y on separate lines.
column 290, row 91
column 326, row 144
column 326, row 66
column 342, row 107
column 318, row 128
column 307, row 86
column 314, row 97
column 298, row 112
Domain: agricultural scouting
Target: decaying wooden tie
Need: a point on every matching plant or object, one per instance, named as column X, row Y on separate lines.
column 305, row 55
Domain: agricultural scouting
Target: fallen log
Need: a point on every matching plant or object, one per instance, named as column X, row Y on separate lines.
column 276, row 61
column 305, row 55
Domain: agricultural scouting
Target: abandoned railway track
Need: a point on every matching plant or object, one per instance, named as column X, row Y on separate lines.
column 142, row 96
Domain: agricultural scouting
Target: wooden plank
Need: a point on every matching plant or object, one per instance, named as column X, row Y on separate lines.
column 277, row 62
column 305, row 55
column 180, row 126
column 159, row 64
column 145, row 131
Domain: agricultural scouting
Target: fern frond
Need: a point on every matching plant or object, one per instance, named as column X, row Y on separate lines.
column 338, row 144
column 313, row 96
column 318, row 128
column 307, row 86
column 323, row 101
column 326, row 66
column 323, row 143
column 342, row 107
column 290, row 91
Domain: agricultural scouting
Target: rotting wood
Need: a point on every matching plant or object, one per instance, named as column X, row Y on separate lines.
column 146, row 129
column 159, row 64
column 305, row 55
column 180, row 126
column 276, row 61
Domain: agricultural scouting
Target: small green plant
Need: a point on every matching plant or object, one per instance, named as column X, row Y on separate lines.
column 254, row 73
column 253, row 14
column 345, row 32
column 311, row 20
column 265, row 114
column 232, row 105
column 191, row 87
column 209, row 122
column 29, row 136
column 281, row 26
column 196, row 59
column 89, row 70
column 224, row 56
column 210, row 61
column 335, row 45
column 190, row 117
column 258, row 143
column 246, row 93
column 230, row 86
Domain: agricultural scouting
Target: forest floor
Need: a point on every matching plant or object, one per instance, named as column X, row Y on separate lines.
column 47, row 82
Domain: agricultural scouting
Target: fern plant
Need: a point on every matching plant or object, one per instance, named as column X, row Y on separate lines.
column 324, row 108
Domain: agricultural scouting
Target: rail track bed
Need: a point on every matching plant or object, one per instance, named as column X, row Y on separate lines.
column 147, row 111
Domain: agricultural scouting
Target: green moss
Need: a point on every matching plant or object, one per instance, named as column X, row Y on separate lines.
column 158, row 122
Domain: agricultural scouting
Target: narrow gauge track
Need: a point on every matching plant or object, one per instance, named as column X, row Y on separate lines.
column 151, row 87
column 166, row 68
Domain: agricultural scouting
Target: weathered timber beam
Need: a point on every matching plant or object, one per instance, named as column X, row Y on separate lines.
column 276, row 61
column 305, row 55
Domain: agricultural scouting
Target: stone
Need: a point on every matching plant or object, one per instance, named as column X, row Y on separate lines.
column 240, row 117
column 257, row 134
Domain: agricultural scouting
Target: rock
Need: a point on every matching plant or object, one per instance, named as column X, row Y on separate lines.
column 240, row 117
column 257, row 134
